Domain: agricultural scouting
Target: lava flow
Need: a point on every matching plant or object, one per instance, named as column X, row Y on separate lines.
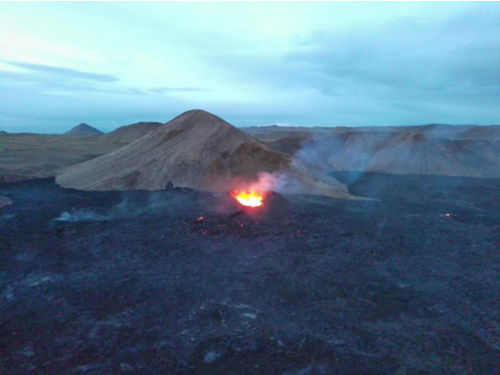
column 248, row 198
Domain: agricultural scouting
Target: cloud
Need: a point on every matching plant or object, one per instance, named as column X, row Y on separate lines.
column 409, row 59
column 407, row 71
column 63, row 72
column 52, row 84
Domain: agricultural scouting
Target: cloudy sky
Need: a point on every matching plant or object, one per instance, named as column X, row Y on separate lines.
column 327, row 64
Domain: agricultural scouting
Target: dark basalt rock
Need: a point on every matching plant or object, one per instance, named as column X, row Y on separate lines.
column 160, row 283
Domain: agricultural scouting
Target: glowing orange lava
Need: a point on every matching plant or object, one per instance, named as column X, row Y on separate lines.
column 248, row 198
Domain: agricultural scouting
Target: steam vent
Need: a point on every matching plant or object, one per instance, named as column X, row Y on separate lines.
column 196, row 150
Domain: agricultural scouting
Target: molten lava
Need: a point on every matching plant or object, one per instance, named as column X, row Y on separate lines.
column 248, row 198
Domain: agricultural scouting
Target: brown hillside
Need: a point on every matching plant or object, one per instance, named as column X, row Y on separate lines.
column 196, row 150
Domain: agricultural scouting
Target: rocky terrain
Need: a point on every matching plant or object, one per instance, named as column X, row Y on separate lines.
column 158, row 282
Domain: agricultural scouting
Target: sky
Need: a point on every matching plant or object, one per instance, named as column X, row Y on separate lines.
column 251, row 63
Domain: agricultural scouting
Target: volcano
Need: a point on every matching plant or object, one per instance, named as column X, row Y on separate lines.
column 196, row 150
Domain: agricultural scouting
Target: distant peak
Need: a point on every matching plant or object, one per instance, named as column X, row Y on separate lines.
column 196, row 111
column 198, row 116
column 199, row 113
column 83, row 129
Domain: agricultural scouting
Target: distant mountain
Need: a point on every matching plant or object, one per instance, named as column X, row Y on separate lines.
column 129, row 133
column 3, row 132
column 83, row 129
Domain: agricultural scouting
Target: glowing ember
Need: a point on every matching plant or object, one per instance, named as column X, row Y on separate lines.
column 252, row 198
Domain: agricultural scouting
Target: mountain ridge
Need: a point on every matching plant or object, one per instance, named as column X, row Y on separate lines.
column 198, row 150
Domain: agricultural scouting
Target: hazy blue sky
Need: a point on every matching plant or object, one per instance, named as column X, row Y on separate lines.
column 112, row 64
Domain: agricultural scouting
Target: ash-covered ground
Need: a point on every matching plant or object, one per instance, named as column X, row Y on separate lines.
column 138, row 283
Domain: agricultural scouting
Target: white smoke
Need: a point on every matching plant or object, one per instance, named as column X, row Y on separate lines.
column 269, row 182
column 128, row 207
column 81, row 215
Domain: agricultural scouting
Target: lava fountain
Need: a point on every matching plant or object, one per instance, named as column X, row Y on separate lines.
column 248, row 198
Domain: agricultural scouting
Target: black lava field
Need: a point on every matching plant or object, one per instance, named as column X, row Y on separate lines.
column 164, row 283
